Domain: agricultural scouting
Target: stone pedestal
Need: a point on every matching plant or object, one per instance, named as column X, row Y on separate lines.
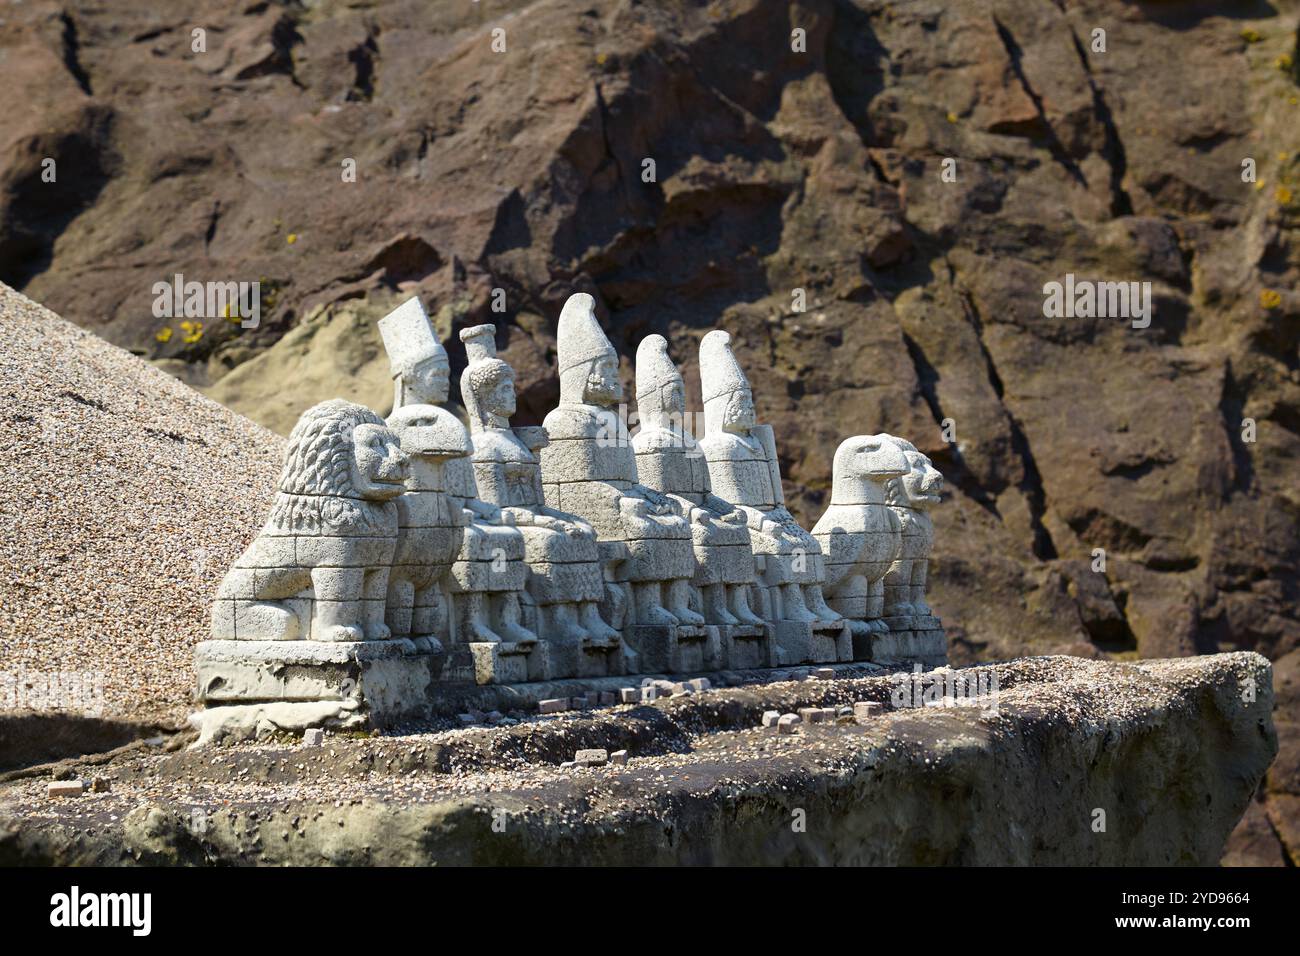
column 253, row 686
column 679, row 649
column 821, row 642
column 912, row 639
column 504, row 662
column 745, row 646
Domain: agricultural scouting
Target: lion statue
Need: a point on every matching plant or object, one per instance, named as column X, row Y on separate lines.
column 910, row 497
column 319, row 568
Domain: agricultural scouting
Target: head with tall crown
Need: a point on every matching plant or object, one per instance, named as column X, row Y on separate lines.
column 660, row 393
column 487, row 385
column 420, row 369
column 588, row 363
column 728, row 401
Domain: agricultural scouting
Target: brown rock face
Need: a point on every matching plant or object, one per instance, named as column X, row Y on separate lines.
column 782, row 161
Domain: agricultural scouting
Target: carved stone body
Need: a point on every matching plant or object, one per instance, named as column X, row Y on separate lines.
column 431, row 525
column 744, row 470
column 319, row 568
column 859, row 532
column 670, row 461
column 564, row 576
column 488, row 575
column 589, row 469
column 910, row 497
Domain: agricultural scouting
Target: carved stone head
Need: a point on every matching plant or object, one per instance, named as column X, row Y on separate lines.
column 417, row 359
column 488, row 384
column 660, row 392
column 862, row 467
column 588, row 363
column 921, row 486
column 728, row 400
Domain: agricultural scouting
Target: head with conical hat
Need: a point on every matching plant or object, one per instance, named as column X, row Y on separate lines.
column 660, row 393
column 728, row 401
column 588, row 363
column 487, row 386
column 417, row 359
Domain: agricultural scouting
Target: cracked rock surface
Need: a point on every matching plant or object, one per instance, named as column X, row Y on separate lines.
column 775, row 170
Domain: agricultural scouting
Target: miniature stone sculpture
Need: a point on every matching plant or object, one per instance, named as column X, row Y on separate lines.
column 563, row 559
column 669, row 460
column 589, row 469
column 860, row 534
column 910, row 497
column 405, row 562
column 299, row 628
column 488, row 574
column 319, row 569
column 744, row 470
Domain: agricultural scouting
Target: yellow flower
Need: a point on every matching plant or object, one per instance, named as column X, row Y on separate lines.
column 164, row 334
column 1259, row 184
column 291, row 238
column 1282, row 195
column 952, row 117
column 601, row 58
column 1250, row 36
column 193, row 332
column 1283, row 62
column 1270, row 298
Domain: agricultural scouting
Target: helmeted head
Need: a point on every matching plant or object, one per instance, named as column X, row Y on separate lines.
column 660, row 392
column 487, row 385
column 728, row 401
column 415, row 356
column 588, row 363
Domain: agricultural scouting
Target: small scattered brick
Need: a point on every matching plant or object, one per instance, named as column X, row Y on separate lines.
column 811, row 715
column 579, row 703
column 607, row 698
column 101, row 785
column 553, row 705
column 467, row 720
column 770, row 717
column 824, row 673
column 844, row 711
column 618, row 758
column 866, row 709
column 629, row 695
column 699, row 684
column 649, row 693
column 313, row 737
column 681, row 690
column 66, row 788
column 789, row 723
column 591, row 758
column 494, row 717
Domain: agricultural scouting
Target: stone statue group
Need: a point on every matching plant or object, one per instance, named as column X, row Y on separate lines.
column 573, row 550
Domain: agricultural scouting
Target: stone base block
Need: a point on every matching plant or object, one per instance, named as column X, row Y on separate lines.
column 745, row 646
column 674, row 649
column 926, row 645
column 498, row 662
column 379, row 682
column 817, row 643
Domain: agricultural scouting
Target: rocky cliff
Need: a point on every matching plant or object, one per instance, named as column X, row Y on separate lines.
column 795, row 147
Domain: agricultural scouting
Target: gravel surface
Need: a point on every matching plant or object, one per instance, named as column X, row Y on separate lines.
column 124, row 496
